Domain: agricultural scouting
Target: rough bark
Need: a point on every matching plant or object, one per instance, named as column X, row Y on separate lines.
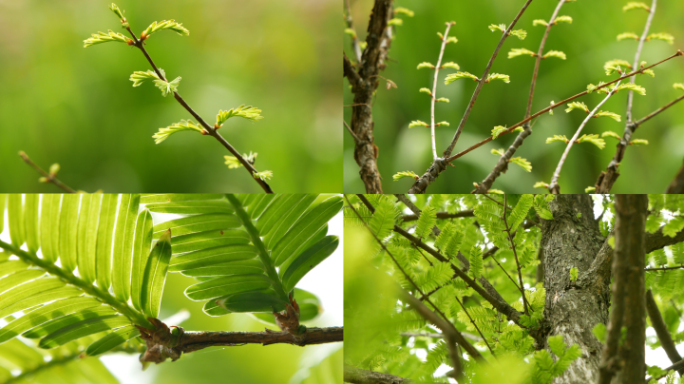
column 573, row 239
column 364, row 82
column 630, row 224
column 361, row 376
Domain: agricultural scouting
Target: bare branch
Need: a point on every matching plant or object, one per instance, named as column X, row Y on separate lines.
column 361, row 376
column 658, row 240
column 677, row 185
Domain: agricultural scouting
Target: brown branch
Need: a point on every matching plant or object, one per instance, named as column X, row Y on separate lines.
column 194, row 341
column 678, row 365
column 211, row 131
column 658, row 240
column 440, row 165
column 361, row 376
column 663, row 268
column 661, row 330
column 627, row 360
column 47, row 177
column 442, row 215
column 364, row 83
column 502, row 164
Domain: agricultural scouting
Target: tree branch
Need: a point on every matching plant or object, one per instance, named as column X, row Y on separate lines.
column 442, row 215
column 350, row 24
column 658, row 240
column 361, row 376
column 628, row 288
column 502, row 164
column 661, row 330
column 49, row 177
column 211, row 131
column 553, row 186
column 191, row 341
column 364, row 83
column 440, row 164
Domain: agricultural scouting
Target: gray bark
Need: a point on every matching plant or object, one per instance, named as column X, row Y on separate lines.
column 573, row 239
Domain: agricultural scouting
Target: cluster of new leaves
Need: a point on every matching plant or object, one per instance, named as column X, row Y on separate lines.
column 159, row 79
column 84, row 274
column 471, row 233
column 668, row 213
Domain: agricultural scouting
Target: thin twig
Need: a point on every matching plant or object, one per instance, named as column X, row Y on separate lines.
column 608, row 178
column 502, row 164
column 663, row 268
column 439, row 335
column 554, row 187
column 442, row 215
column 515, row 254
column 483, row 79
column 433, row 96
column 211, row 131
column 475, row 325
column 350, row 130
column 49, row 177
column 661, row 330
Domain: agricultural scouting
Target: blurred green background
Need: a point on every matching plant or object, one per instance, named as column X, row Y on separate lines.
column 589, row 42
column 65, row 104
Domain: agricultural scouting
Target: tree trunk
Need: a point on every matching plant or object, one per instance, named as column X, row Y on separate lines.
column 573, row 239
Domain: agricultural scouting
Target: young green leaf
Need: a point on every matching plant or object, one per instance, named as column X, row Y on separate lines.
column 638, row 142
column 515, row 52
column 233, row 162
column 498, row 130
column 616, row 66
column 636, row 5
column 114, row 8
column 459, row 75
column 401, row 175
column 263, row 175
column 498, row 76
column 425, row 90
column 577, row 105
column 246, row 112
column 611, row 134
column 154, row 275
column 183, row 125
column 679, row 86
column 519, row 33
column 425, row 64
column 573, row 274
column 451, row 65
column 556, row 54
column 612, row 115
column 562, row 19
column 418, row 123
column 500, row 28
column 476, row 261
column 632, row 87
column 593, row 139
column 105, row 37
column 161, row 25
column 395, row 22
column 539, row 22
column 522, row 163
column 666, row 37
column 307, row 260
column 402, row 10
column 627, row 35
column 519, row 213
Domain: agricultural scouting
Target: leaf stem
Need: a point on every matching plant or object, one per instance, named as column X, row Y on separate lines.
column 208, row 128
column 50, row 178
column 123, row 308
column 262, row 252
column 515, row 253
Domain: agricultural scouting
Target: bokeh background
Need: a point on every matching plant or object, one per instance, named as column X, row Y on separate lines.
column 589, row 42
column 65, row 104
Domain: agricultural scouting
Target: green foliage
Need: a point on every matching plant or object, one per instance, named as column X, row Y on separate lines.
column 515, row 52
column 542, row 207
column 666, row 37
column 427, row 219
column 556, row 138
column 519, row 213
column 139, row 77
column 592, row 139
column 183, row 125
column 600, row 332
column 556, row 54
column 418, row 123
column 545, row 369
column 459, row 75
column 401, row 175
column 636, row 5
column 105, row 37
column 573, row 274
column 476, row 262
column 166, row 24
column 498, row 130
column 246, row 112
column 233, row 162
column 498, row 76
